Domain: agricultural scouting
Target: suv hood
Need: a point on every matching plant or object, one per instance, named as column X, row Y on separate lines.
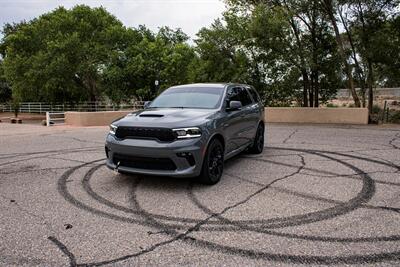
column 167, row 117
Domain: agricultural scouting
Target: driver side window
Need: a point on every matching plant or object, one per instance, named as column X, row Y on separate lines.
column 238, row 94
column 232, row 94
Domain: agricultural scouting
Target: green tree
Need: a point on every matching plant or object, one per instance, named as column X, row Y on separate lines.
column 5, row 89
column 387, row 54
column 60, row 56
column 293, row 47
column 220, row 59
column 164, row 56
column 330, row 9
column 369, row 38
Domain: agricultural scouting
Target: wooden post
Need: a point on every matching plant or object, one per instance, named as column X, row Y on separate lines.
column 47, row 119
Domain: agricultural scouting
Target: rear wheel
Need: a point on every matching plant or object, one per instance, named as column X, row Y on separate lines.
column 258, row 143
column 213, row 164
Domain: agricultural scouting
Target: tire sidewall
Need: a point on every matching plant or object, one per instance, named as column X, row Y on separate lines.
column 205, row 176
column 254, row 148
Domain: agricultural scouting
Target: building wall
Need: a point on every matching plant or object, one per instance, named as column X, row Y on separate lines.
column 283, row 115
column 101, row 118
column 317, row 115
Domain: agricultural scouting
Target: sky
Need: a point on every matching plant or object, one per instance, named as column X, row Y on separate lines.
column 189, row 15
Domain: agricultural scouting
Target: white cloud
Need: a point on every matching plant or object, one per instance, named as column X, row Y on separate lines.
column 189, row 15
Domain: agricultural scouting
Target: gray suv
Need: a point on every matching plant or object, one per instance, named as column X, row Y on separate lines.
column 188, row 131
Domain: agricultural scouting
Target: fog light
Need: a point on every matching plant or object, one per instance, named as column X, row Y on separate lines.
column 184, row 154
column 188, row 156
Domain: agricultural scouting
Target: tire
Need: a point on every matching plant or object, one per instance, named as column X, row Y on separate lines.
column 213, row 164
column 258, row 143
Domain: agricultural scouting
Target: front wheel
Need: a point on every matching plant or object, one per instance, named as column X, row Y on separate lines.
column 258, row 143
column 213, row 164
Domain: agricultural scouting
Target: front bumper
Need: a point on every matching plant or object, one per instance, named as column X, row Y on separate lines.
column 152, row 149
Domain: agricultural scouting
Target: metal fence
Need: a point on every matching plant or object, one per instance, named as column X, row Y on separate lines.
column 39, row 107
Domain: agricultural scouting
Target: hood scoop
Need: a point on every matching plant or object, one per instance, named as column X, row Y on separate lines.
column 149, row 115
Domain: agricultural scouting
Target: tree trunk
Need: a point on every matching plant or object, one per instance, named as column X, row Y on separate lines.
column 311, row 92
column 359, row 71
column 329, row 9
column 370, row 78
column 306, row 87
column 316, row 89
column 306, row 81
column 370, row 87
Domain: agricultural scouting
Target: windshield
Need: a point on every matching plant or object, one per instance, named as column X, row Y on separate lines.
column 189, row 97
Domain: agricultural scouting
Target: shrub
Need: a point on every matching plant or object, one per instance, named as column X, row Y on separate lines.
column 376, row 109
column 15, row 107
column 330, row 105
column 394, row 116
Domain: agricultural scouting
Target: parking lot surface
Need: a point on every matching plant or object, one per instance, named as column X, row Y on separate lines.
column 318, row 195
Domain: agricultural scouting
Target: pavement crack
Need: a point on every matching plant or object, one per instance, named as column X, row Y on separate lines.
column 290, row 136
column 395, row 138
column 196, row 227
column 35, row 170
column 156, row 233
column 84, row 141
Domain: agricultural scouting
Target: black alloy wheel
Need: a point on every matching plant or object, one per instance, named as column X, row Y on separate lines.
column 258, row 144
column 213, row 164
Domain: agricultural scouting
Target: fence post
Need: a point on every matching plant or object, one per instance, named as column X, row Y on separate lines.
column 387, row 115
column 40, row 107
column 384, row 110
column 47, row 119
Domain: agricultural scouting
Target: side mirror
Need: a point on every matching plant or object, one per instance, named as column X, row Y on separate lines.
column 234, row 105
column 146, row 104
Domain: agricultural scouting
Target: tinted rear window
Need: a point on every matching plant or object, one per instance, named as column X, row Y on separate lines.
column 254, row 94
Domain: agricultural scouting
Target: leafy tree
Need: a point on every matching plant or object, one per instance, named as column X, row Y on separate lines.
column 164, row 56
column 292, row 51
column 293, row 37
column 60, row 55
column 330, row 9
column 387, row 53
column 5, row 90
column 366, row 27
column 220, row 60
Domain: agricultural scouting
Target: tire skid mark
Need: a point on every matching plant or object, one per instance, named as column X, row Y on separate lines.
column 64, row 249
column 395, row 138
column 87, row 187
column 150, row 220
column 308, row 196
column 38, row 157
column 78, row 149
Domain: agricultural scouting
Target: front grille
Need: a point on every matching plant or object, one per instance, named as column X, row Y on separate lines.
column 164, row 164
column 161, row 134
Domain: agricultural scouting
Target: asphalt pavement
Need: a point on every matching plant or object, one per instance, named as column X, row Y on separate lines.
column 318, row 195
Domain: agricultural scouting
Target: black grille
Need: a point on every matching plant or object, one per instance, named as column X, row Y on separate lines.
column 164, row 164
column 161, row 134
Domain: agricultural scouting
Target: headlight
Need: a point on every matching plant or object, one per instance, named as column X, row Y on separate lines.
column 113, row 129
column 191, row 132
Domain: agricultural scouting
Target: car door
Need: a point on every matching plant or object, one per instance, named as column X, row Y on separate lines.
column 235, row 123
column 255, row 111
column 248, row 115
